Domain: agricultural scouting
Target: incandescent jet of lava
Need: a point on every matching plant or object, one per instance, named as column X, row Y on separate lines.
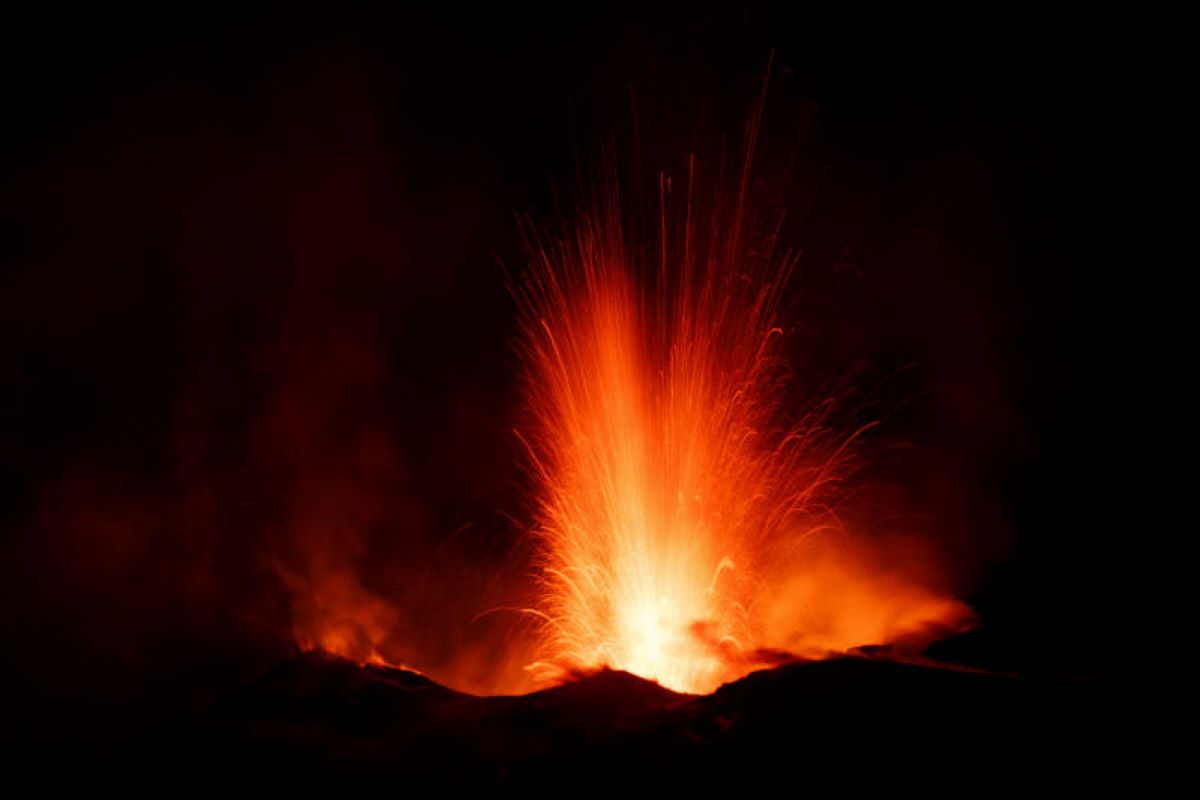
column 683, row 494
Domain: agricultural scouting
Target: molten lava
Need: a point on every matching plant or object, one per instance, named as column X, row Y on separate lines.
column 687, row 521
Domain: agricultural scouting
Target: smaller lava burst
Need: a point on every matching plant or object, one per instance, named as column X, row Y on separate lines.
column 688, row 521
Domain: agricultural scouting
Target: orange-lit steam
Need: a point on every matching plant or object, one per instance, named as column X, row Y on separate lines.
column 688, row 520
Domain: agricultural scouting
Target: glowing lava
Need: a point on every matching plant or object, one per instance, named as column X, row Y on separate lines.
column 686, row 525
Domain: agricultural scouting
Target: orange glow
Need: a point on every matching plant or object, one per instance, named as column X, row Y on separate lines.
column 334, row 613
column 688, row 521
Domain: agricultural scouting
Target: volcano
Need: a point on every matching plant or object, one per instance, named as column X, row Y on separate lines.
column 782, row 442
column 319, row 722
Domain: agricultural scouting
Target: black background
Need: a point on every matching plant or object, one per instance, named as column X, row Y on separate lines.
column 236, row 247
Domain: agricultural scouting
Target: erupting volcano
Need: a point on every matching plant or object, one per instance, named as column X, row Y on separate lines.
column 770, row 445
column 688, row 523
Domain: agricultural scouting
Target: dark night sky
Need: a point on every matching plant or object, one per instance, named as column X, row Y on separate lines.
column 251, row 285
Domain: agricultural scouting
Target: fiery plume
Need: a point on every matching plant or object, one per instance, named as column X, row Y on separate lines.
column 687, row 521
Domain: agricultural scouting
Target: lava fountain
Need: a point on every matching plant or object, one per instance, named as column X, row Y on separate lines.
column 687, row 523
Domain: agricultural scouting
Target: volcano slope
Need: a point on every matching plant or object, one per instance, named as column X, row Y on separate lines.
column 318, row 723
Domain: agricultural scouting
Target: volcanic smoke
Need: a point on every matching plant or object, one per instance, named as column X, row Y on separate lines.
column 688, row 523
